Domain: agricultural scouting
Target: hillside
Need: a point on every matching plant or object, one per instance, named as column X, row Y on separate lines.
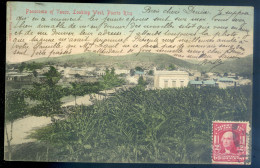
column 147, row 60
column 242, row 66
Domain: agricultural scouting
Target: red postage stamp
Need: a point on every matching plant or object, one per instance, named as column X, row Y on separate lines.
column 230, row 142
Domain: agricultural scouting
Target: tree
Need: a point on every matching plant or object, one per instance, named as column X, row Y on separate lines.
column 16, row 108
column 151, row 72
column 48, row 94
column 32, row 66
column 110, row 79
column 139, row 69
column 77, row 75
column 22, row 67
column 132, row 72
column 171, row 67
column 52, row 76
column 35, row 73
column 225, row 74
column 76, row 90
column 66, row 65
column 141, row 81
column 113, row 71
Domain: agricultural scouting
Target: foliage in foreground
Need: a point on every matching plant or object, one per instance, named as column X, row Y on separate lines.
column 48, row 94
column 15, row 108
column 169, row 126
column 110, row 80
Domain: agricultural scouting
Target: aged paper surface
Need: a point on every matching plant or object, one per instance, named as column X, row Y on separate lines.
column 128, row 83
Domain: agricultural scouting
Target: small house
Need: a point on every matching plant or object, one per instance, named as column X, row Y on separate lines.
column 210, row 83
column 225, row 82
column 195, row 83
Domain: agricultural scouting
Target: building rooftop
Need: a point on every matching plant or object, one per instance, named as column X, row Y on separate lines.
column 139, row 72
column 171, row 73
column 17, row 74
column 225, row 79
column 77, row 69
column 11, row 73
column 209, row 82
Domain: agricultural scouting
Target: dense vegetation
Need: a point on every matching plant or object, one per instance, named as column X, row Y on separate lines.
column 15, row 108
column 169, row 126
column 44, row 97
column 108, row 81
column 30, row 66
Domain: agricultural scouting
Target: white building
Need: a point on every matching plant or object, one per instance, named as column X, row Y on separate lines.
column 100, row 72
column 122, row 71
column 71, row 72
column 244, row 82
column 43, row 70
column 90, row 69
column 225, row 82
column 170, row 79
column 132, row 79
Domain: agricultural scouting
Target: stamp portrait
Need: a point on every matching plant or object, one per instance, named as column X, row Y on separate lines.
column 230, row 142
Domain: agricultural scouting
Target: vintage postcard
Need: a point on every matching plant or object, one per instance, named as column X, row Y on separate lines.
column 110, row 83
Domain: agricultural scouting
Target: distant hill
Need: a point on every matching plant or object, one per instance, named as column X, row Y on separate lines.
column 242, row 66
column 149, row 60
